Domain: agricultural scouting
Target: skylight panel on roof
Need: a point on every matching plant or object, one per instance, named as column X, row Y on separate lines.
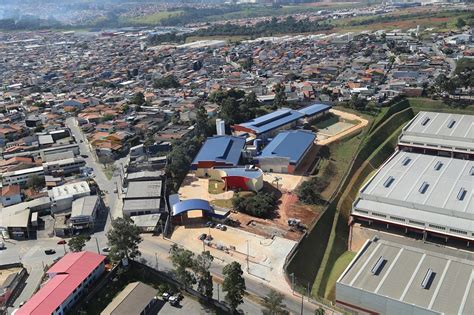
column 461, row 194
column 406, row 161
column 424, row 187
column 425, row 121
column 472, row 171
column 425, row 284
column 438, row 165
column 389, row 181
column 378, row 266
column 451, row 123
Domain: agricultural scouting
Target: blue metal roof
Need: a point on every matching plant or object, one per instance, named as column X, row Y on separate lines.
column 290, row 144
column 314, row 109
column 225, row 149
column 241, row 171
column 191, row 204
column 273, row 120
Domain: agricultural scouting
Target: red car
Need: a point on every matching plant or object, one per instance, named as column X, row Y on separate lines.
column 62, row 242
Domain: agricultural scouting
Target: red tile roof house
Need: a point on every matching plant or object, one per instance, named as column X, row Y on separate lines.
column 11, row 195
column 68, row 280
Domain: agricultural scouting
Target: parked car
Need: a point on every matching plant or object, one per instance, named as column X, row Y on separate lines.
column 84, row 156
column 166, row 296
column 202, row 237
column 179, row 296
column 173, row 300
column 210, row 224
column 223, row 227
column 62, row 242
column 209, row 237
column 218, row 226
column 50, row 251
column 106, row 249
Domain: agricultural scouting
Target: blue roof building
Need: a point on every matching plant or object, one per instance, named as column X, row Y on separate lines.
column 268, row 125
column 286, row 151
column 219, row 151
column 314, row 110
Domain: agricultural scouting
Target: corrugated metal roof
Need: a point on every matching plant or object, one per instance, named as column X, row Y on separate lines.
column 290, row 144
column 225, row 149
column 273, row 120
column 314, row 109
column 191, row 204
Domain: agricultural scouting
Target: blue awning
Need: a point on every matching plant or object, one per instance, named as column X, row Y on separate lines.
column 191, row 204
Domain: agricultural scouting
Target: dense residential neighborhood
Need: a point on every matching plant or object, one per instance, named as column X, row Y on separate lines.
column 145, row 171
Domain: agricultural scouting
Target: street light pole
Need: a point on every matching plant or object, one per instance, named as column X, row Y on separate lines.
column 293, row 282
column 302, row 295
column 218, row 292
column 97, row 243
column 156, row 260
column 64, row 245
column 248, row 268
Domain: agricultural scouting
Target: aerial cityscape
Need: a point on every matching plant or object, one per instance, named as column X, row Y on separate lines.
column 236, row 157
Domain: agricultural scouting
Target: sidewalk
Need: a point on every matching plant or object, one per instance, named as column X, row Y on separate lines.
column 32, row 284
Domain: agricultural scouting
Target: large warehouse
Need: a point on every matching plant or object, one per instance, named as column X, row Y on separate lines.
column 286, row 151
column 439, row 133
column 424, row 193
column 218, row 151
column 396, row 278
column 143, row 197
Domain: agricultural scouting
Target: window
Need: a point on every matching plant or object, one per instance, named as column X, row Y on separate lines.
column 438, row 165
column 461, row 194
column 423, row 187
column 437, row 227
column 388, row 182
column 406, row 161
column 397, row 219
column 451, row 123
column 379, row 215
column 458, row 231
column 416, row 222
column 361, row 211
column 425, row 121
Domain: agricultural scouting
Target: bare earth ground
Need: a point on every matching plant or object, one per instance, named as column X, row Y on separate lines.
column 346, row 131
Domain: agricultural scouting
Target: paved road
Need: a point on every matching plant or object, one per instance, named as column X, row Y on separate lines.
column 451, row 61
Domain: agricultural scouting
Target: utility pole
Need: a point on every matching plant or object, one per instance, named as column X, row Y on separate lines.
column 156, row 260
column 248, row 268
column 302, row 295
column 97, row 243
column 309, row 294
column 218, row 292
column 64, row 245
column 162, row 231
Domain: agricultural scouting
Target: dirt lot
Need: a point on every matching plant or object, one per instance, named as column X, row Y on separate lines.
column 287, row 182
column 289, row 208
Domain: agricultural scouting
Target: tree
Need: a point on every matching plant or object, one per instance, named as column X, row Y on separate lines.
column 260, row 205
column 319, row 311
column 123, row 239
column 138, row 98
column 280, row 96
column 273, row 304
column 234, row 284
column 35, row 182
column 460, row 23
column 201, row 266
column 166, row 82
column 77, row 243
column 182, row 260
column 201, row 128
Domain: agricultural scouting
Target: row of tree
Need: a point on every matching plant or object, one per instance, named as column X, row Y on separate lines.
column 261, row 205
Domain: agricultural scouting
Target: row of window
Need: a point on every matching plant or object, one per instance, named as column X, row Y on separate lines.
column 418, row 223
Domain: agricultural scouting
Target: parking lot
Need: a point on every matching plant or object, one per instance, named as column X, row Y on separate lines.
column 187, row 306
column 266, row 255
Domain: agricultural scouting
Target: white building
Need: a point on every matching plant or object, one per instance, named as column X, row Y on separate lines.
column 63, row 196
column 21, row 177
column 64, row 166
column 84, row 212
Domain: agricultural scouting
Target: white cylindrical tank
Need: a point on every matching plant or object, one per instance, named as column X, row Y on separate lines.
column 220, row 127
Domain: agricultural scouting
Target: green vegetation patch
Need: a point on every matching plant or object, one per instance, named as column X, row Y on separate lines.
column 336, row 271
column 151, row 19
column 216, row 186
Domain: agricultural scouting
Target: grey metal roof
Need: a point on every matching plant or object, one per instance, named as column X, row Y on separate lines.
column 84, row 206
column 191, row 204
column 141, row 205
column 450, row 289
column 441, row 130
column 145, row 189
column 432, row 189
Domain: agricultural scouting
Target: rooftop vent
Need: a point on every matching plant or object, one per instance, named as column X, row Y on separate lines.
column 425, row 121
column 424, row 187
column 438, row 165
column 425, row 284
column 451, row 123
column 461, row 194
column 378, row 266
column 389, row 181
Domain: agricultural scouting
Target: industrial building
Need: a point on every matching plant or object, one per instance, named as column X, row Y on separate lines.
column 135, row 298
column 440, row 134
column 63, row 196
column 427, row 194
column 143, row 197
column 69, row 279
column 388, row 277
column 218, row 151
column 84, row 211
column 286, row 151
column 269, row 125
column 21, row 177
column 64, row 166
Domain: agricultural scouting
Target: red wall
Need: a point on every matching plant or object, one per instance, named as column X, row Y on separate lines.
column 236, row 182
